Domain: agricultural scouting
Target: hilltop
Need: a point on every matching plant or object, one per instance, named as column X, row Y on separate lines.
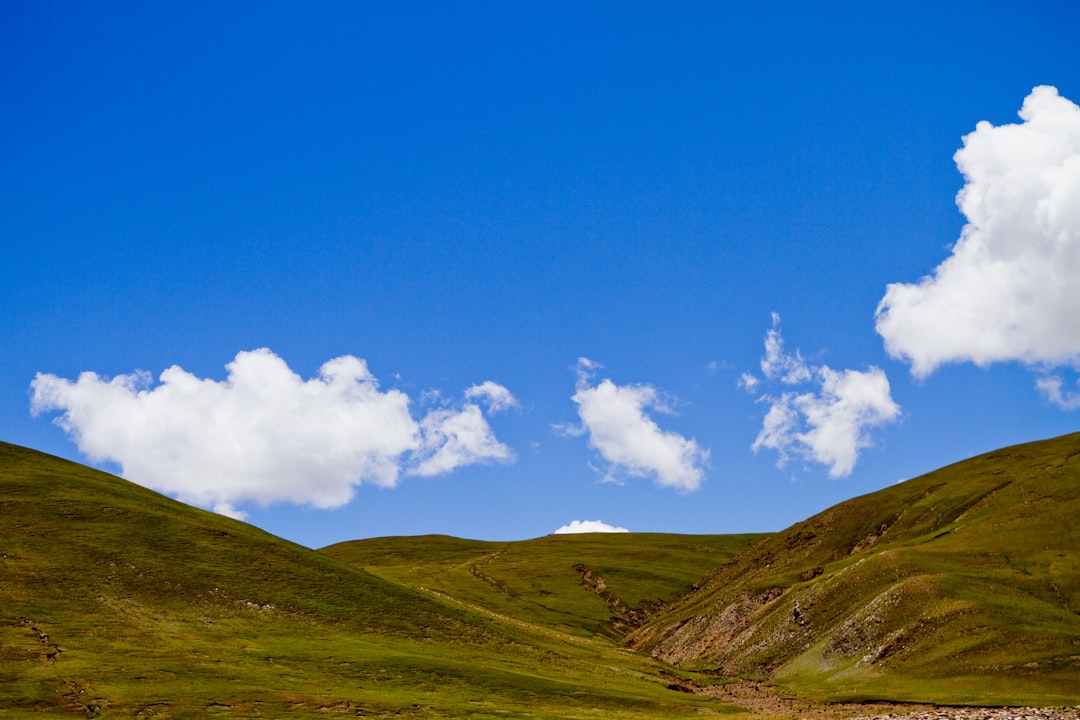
column 585, row 585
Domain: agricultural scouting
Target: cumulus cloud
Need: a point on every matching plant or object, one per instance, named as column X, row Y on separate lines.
column 589, row 526
column 1009, row 290
column 821, row 415
column 621, row 430
column 264, row 434
column 455, row 437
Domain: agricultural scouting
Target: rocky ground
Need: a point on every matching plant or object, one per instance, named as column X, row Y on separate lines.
column 983, row 714
column 762, row 701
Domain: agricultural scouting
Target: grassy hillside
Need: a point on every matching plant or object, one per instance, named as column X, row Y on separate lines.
column 581, row 584
column 118, row 602
column 961, row 586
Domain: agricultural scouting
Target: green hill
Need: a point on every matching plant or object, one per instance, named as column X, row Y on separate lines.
column 118, row 602
column 586, row 584
column 961, row 586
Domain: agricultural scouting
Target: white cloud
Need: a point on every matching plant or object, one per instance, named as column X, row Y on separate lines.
column 778, row 429
column 497, row 397
column 715, row 366
column 1009, row 291
column 627, row 438
column 1051, row 388
column 567, row 430
column 589, row 526
column 263, row 435
column 789, row 368
column 453, row 438
column 849, row 402
column 748, row 382
column 827, row 423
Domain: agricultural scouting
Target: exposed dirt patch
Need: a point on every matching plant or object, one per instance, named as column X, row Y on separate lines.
column 77, row 698
column 873, row 537
column 763, row 701
column 627, row 619
column 703, row 634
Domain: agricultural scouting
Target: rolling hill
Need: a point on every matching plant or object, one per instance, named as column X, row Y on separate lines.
column 118, row 602
column 606, row 584
column 958, row 587
column 961, row 586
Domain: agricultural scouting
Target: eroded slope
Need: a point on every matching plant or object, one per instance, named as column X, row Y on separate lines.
column 961, row 586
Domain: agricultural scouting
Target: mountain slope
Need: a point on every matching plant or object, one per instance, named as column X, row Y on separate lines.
column 586, row 584
column 116, row 601
column 961, row 586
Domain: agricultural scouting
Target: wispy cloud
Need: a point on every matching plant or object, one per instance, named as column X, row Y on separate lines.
column 1009, row 291
column 821, row 415
column 749, row 382
column 264, row 434
column 588, row 526
column 788, row 368
column 629, row 441
column 1052, row 388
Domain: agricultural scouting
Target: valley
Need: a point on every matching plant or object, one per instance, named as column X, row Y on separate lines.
column 958, row 588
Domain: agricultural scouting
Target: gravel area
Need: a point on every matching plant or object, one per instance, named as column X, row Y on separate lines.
column 1072, row 713
column 763, row 702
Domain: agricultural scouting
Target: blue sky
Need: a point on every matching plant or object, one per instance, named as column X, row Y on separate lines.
column 657, row 266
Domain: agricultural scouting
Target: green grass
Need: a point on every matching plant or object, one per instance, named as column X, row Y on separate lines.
column 118, row 602
column 962, row 586
column 585, row 585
